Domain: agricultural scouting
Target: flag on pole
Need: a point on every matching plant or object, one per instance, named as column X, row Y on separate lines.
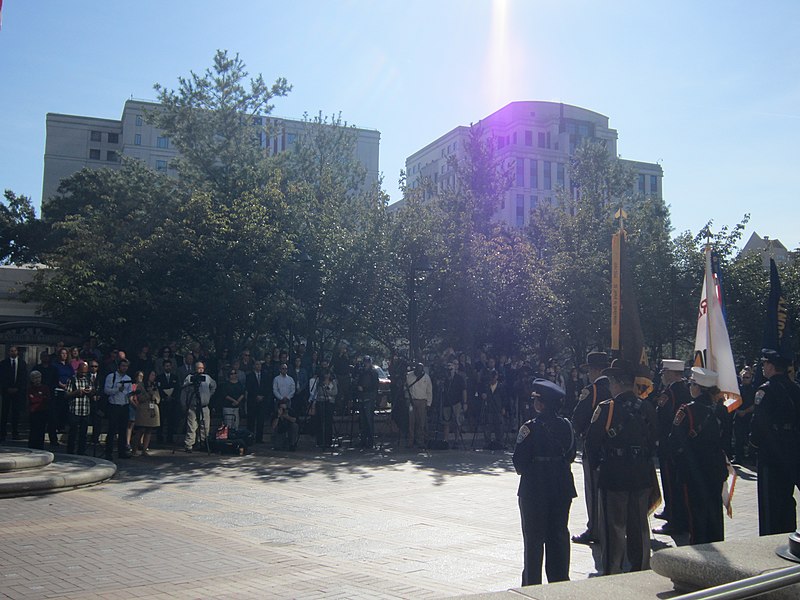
column 712, row 346
column 777, row 330
column 627, row 338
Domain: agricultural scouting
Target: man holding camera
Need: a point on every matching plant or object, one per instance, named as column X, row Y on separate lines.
column 195, row 397
column 285, row 430
column 118, row 388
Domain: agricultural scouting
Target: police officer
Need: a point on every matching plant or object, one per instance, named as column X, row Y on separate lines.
column 775, row 431
column 674, row 394
column 593, row 394
column 696, row 445
column 542, row 456
column 623, row 434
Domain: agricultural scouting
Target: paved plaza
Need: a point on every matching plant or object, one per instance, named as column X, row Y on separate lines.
column 306, row 524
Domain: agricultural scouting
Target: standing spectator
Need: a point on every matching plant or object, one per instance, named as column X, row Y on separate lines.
column 774, row 432
column 454, row 402
column 367, row 395
column 493, row 410
column 60, row 404
column 13, row 381
column 283, row 386
column 148, row 415
column 79, row 394
column 118, row 388
column 98, row 409
column 544, row 451
column 300, row 376
column 258, row 405
column 696, row 443
column 398, row 368
column 233, row 393
column 342, row 370
column 133, row 407
column 38, row 397
column 186, row 368
column 742, row 416
column 420, row 391
column 623, row 434
column 143, row 361
column 164, row 354
column 195, row 397
column 49, row 379
column 323, row 390
column 246, row 363
column 75, row 358
column 169, row 388
column 571, row 389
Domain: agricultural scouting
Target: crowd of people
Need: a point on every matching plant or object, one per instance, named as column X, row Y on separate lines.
column 621, row 429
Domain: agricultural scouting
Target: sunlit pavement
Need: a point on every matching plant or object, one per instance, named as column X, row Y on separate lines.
column 306, row 524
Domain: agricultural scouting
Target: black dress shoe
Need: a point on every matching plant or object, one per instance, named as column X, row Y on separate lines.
column 662, row 515
column 584, row 538
column 667, row 529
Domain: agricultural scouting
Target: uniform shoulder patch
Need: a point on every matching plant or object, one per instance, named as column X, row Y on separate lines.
column 759, row 397
column 662, row 400
column 680, row 415
column 584, row 395
column 597, row 412
column 524, row 432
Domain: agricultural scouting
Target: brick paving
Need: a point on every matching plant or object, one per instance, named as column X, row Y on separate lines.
column 288, row 525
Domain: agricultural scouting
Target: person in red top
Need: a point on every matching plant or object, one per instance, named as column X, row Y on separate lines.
column 38, row 400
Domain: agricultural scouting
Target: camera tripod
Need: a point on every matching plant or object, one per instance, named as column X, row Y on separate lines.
column 193, row 400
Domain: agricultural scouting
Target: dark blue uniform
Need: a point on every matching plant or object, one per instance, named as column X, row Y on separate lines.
column 545, row 448
column 668, row 402
column 775, row 431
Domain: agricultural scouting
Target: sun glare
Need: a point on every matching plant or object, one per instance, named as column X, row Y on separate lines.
column 498, row 78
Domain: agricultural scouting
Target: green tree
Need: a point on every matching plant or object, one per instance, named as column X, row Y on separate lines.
column 217, row 121
column 22, row 235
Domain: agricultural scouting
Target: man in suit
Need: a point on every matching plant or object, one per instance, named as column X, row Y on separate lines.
column 258, row 387
column 13, row 382
column 169, row 389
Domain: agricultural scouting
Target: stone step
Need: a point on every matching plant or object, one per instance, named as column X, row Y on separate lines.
column 25, row 472
column 15, row 459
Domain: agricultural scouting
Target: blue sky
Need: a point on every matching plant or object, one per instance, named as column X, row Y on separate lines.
column 711, row 90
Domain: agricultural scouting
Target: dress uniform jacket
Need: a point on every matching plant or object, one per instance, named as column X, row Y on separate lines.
column 696, row 444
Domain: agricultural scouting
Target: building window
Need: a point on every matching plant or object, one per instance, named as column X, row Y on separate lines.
column 162, row 142
column 520, row 172
column 534, row 202
column 111, row 156
column 548, row 139
column 291, row 138
column 529, row 138
column 94, row 136
column 560, row 174
column 641, row 183
column 520, row 211
column 653, row 184
column 514, row 138
column 113, row 138
column 161, row 165
column 548, row 182
column 137, row 139
column 534, row 174
column 501, row 142
column 540, row 139
column 94, row 154
column 257, row 121
column 139, row 120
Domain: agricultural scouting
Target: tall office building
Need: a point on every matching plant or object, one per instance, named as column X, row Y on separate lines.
column 538, row 140
column 74, row 142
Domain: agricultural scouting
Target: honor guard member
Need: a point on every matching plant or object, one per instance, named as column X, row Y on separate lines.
column 542, row 456
column 623, row 434
column 674, row 394
column 696, row 444
column 775, row 432
column 592, row 395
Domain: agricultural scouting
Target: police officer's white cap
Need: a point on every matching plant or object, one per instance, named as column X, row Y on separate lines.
column 670, row 364
column 703, row 377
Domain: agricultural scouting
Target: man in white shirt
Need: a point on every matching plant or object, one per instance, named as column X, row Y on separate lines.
column 420, row 390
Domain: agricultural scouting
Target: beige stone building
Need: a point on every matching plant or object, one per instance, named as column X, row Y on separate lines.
column 537, row 139
column 74, row 142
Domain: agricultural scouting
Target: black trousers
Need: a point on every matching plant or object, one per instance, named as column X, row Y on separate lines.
column 777, row 511
column 11, row 408
column 366, row 421
column 78, row 427
column 324, row 423
column 256, row 416
column 703, row 502
column 674, row 501
column 545, row 533
column 38, row 426
column 117, row 429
